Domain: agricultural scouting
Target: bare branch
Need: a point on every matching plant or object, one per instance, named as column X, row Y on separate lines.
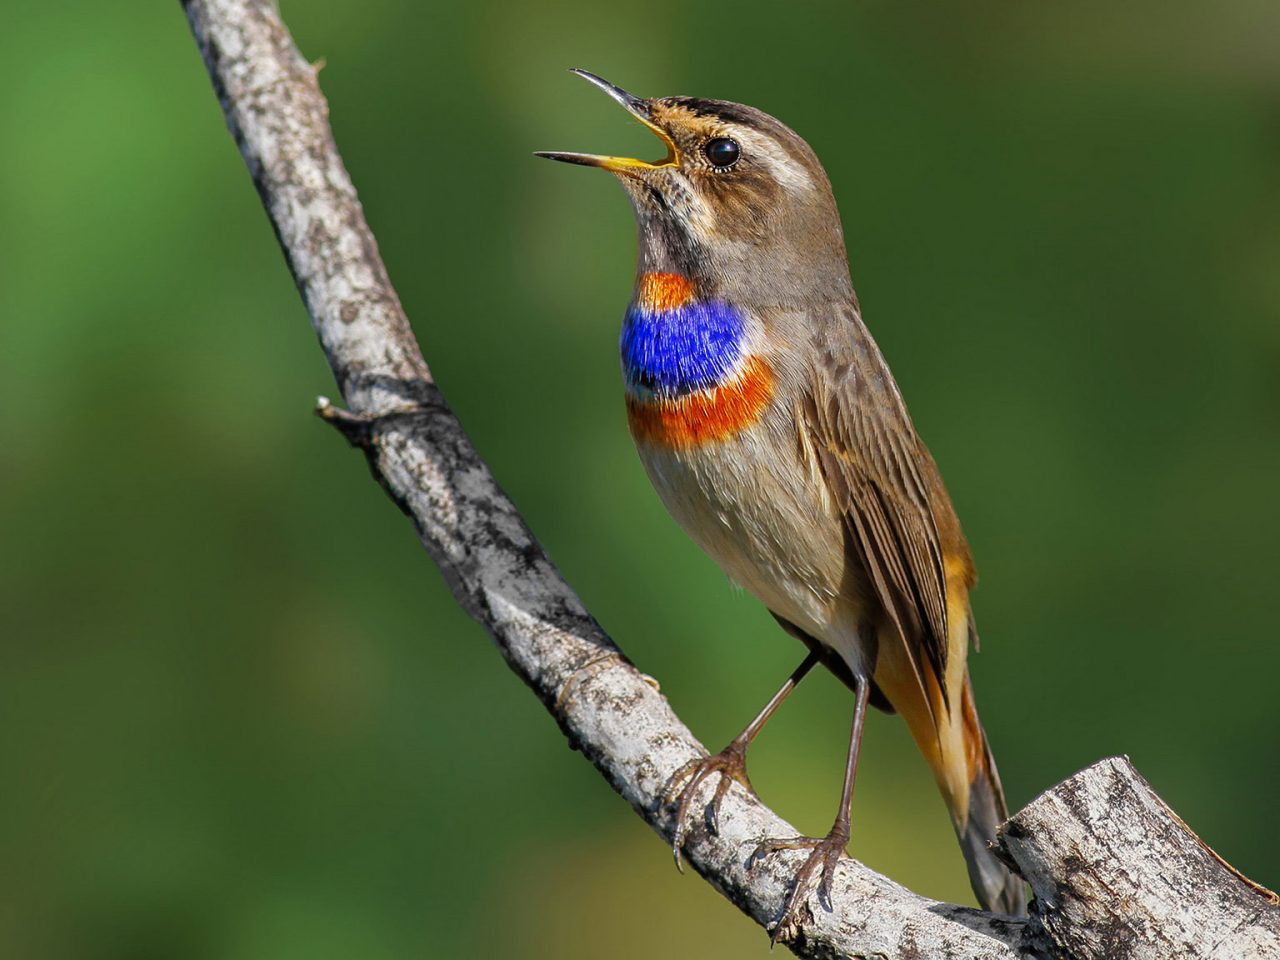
column 419, row 453
column 1118, row 875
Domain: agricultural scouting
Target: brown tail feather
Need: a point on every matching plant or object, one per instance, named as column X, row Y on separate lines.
column 997, row 888
column 957, row 752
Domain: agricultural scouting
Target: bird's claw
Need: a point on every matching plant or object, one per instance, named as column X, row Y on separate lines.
column 731, row 764
column 825, row 853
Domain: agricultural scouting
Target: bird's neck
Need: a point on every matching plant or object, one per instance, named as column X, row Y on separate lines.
column 675, row 343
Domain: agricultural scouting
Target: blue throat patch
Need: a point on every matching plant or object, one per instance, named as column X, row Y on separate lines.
column 668, row 353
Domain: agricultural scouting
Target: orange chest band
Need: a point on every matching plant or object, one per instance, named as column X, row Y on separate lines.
column 707, row 416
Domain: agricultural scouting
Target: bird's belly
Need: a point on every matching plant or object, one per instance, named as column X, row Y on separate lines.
column 756, row 505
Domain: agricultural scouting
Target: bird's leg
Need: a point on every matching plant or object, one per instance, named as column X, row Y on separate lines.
column 730, row 763
column 826, row 851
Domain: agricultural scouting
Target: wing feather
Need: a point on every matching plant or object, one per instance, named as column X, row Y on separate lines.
column 886, row 483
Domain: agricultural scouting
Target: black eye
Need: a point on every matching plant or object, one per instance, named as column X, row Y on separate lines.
column 722, row 152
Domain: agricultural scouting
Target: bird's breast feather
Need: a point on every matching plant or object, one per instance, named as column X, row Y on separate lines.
column 713, row 415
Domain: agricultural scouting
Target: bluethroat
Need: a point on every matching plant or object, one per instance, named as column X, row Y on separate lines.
column 773, row 431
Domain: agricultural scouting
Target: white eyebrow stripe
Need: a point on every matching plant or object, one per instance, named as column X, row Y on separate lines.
column 784, row 168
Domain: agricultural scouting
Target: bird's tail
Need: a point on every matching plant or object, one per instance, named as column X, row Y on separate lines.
column 996, row 886
column 954, row 744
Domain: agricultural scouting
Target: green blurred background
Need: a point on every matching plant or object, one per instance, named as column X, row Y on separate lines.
column 240, row 715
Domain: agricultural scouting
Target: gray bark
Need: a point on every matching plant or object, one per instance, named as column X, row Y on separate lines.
column 1117, row 874
column 607, row 708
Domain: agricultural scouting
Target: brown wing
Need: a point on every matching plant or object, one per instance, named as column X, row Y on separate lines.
column 897, row 511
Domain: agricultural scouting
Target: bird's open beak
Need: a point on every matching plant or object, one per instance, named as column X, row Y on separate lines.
column 639, row 109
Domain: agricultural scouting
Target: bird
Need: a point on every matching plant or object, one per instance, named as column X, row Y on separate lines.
column 774, row 433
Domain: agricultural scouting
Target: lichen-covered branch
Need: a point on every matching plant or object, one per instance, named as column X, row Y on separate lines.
column 419, row 453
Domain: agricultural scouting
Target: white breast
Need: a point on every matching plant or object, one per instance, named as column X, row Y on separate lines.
column 757, row 506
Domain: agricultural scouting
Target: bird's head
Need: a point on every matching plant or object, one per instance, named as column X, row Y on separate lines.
column 739, row 204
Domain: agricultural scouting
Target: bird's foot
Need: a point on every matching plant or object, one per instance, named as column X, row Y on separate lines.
column 825, row 853
column 730, row 763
